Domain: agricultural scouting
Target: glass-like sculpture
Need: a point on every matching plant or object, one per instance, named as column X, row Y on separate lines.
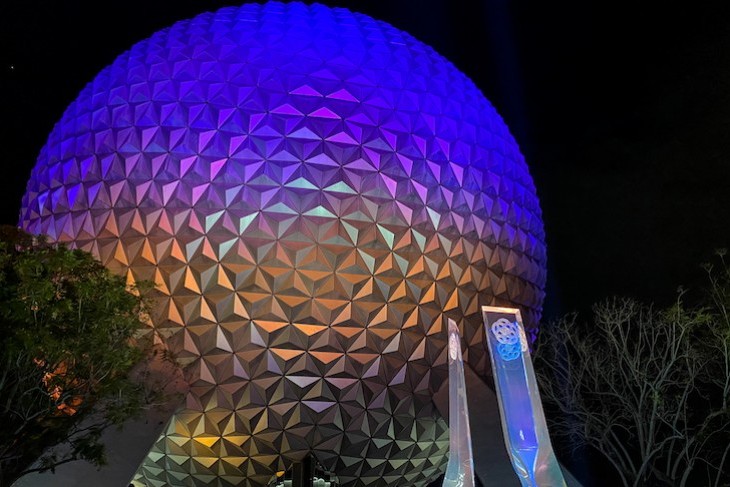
column 460, row 469
column 523, row 421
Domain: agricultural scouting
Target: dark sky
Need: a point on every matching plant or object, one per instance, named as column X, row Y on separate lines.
column 621, row 108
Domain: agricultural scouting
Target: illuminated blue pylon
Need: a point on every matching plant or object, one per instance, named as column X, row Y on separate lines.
column 523, row 420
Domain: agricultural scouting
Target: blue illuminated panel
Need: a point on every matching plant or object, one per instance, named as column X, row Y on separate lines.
column 523, row 421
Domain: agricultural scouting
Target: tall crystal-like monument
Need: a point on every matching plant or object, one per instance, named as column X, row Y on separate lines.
column 523, row 421
column 460, row 469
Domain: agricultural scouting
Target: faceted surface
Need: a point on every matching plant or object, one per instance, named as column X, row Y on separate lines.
column 312, row 191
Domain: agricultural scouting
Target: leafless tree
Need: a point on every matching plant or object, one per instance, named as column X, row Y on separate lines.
column 647, row 388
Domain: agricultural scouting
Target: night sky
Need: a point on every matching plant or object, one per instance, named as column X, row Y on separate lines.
column 622, row 110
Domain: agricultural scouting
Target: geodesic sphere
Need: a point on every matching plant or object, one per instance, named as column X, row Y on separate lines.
column 312, row 192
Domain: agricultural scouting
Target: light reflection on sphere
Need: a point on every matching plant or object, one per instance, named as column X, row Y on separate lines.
column 311, row 190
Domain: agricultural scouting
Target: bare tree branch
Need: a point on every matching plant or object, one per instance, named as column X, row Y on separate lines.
column 648, row 388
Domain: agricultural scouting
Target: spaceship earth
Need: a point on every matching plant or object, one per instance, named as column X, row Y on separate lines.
column 312, row 191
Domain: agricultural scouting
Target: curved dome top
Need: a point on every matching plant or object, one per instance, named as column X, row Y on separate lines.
column 305, row 185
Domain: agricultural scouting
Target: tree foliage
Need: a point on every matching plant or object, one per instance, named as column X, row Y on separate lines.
column 648, row 388
column 67, row 345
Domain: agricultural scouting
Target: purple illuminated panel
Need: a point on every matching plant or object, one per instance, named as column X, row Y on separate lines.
column 310, row 190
